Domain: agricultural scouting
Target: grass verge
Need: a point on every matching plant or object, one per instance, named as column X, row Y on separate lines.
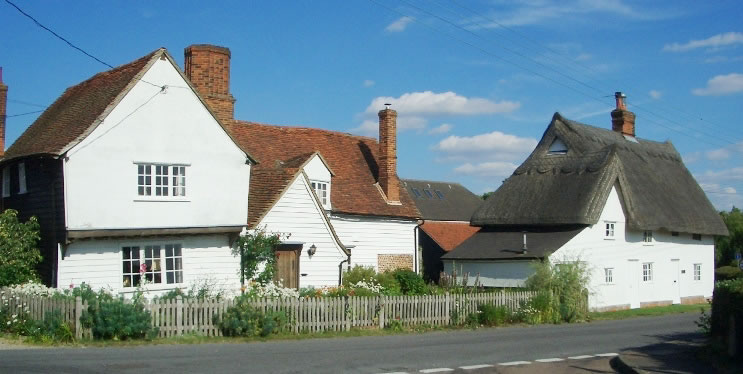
column 648, row 312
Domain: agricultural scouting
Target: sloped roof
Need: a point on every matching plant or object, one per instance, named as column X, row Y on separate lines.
column 80, row 109
column 456, row 202
column 75, row 113
column 351, row 158
column 506, row 243
column 448, row 234
column 656, row 189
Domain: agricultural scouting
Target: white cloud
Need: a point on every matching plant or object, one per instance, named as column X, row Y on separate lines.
column 721, row 85
column 714, row 41
column 537, row 12
column 735, row 174
column 655, row 94
column 428, row 103
column 493, row 143
column 441, row 129
column 716, row 59
column 416, row 108
column 487, row 169
column 722, row 197
column 691, row 157
column 368, row 83
column 718, row 154
column 399, row 25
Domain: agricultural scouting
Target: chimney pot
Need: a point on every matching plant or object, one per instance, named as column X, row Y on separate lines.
column 622, row 120
column 388, row 154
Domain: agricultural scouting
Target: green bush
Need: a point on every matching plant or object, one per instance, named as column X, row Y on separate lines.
column 491, row 315
column 410, row 282
column 242, row 319
column 388, row 282
column 564, row 285
column 357, row 274
column 117, row 319
column 54, row 328
column 724, row 273
column 727, row 300
column 19, row 253
column 472, row 320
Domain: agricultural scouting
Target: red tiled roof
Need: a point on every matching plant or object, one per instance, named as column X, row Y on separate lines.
column 74, row 114
column 352, row 159
column 448, row 235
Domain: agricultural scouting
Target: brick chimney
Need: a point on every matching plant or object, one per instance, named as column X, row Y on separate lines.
column 3, row 113
column 208, row 69
column 622, row 120
column 388, row 154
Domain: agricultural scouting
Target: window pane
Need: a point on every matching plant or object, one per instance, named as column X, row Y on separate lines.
column 178, row 250
column 170, row 277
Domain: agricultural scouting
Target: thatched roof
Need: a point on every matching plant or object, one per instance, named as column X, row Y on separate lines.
column 442, row 201
column 656, row 189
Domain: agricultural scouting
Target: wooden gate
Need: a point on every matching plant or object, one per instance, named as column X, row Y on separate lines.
column 287, row 265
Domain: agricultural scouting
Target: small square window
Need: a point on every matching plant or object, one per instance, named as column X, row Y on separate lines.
column 674, row 233
column 609, row 232
column 647, row 236
column 609, row 275
column 696, row 236
column 647, row 272
column 697, row 272
column 321, row 189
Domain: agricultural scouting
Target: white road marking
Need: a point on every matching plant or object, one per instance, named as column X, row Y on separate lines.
column 473, row 367
column 580, row 357
column 513, row 363
column 550, row 360
column 612, row 354
column 436, row 370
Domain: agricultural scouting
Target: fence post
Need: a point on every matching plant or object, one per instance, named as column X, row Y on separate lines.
column 380, row 302
column 78, row 314
column 447, row 305
column 178, row 314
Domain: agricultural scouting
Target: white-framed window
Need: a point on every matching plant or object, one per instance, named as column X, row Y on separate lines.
column 6, row 181
column 321, row 189
column 147, row 261
column 609, row 275
column 697, row 272
column 22, row 178
column 609, row 232
column 161, row 180
column 647, row 236
column 647, row 272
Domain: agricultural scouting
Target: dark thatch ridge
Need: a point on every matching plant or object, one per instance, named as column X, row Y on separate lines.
column 656, row 190
column 456, row 202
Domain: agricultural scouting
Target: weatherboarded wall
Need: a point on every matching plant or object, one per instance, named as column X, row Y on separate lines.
column 374, row 236
column 99, row 263
column 297, row 213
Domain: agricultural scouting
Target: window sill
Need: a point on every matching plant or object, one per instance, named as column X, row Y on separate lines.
column 648, row 244
column 605, row 238
column 149, row 288
column 161, row 200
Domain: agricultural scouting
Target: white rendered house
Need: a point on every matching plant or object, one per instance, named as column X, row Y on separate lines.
column 626, row 206
column 139, row 172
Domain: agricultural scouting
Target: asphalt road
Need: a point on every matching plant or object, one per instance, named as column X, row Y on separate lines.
column 382, row 354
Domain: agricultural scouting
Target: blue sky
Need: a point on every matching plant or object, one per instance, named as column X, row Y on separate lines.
column 475, row 82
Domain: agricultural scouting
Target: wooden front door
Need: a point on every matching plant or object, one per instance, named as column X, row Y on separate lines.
column 287, row 265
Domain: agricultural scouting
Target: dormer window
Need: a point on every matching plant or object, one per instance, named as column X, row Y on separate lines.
column 417, row 193
column 440, row 195
column 321, row 189
column 557, row 147
column 428, row 193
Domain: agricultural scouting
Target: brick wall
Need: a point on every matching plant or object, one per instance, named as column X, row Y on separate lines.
column 388, row 154
column 393, row 262
column 208, row 69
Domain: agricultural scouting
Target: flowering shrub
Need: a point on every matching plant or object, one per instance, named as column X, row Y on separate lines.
column 242, row 319
column 34, row 289
column 270, row 289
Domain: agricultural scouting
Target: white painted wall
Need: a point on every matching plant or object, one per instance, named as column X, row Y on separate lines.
column 492, row 273
column 298, row 213
column 172, row 127
column 626, row 254
column 373, row 236
column 673, row 259
column 99, row 263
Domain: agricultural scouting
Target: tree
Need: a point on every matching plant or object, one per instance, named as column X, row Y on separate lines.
column 727, row 246
column 256, row 248
column 19, row 253
column 486, row 195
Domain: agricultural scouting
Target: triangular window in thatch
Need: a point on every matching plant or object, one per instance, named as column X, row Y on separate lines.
column 557, row 147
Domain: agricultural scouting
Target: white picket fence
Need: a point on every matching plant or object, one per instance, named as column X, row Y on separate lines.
column 36, row 307
column 306, row 315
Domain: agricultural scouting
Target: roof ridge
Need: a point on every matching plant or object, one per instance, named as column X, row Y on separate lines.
column 114, row 70
column 298, row 127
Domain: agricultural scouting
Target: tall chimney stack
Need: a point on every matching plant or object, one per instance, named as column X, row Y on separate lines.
column 3, row 112
column 388, row 154
column 622, row 120
column 208, row 69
